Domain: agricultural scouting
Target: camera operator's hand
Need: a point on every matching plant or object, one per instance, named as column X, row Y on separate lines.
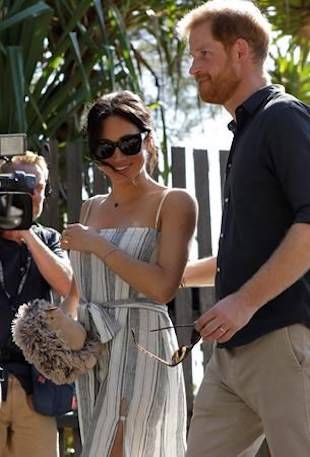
column 15, row 235
column 19, row 236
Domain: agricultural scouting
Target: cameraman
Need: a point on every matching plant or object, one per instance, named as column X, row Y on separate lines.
column 32, row 264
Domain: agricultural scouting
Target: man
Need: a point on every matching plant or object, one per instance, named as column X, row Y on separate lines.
column 32, row 263
column 257, row 382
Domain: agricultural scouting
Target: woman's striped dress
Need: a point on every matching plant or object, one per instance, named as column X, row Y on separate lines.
column 127, row 385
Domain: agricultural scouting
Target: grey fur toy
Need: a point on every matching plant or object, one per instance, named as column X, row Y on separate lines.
column 48, row 349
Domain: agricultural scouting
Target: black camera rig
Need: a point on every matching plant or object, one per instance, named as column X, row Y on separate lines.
column 16, row 188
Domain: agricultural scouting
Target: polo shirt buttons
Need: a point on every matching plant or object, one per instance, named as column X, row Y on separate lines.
column 226, row 200
column 222, row 235
column 218, row 269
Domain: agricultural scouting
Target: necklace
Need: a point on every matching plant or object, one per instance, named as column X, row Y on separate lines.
column 114, row 203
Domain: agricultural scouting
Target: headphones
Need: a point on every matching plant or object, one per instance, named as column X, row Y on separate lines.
column 48, row 189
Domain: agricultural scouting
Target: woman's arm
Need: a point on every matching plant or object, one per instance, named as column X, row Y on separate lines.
column 63, row 319
column 70, row 304
column 158, row 281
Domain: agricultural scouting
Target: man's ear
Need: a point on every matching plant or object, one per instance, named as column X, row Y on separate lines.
column 242, row 50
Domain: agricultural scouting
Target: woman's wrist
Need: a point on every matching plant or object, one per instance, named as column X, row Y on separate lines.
column 92, row 242
column 108, row 252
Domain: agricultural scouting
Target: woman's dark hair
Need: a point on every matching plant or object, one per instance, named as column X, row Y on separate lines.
column 128, row 106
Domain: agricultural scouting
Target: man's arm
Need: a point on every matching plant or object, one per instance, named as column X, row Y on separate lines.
column 288, row 263
column 55, row 270
column 200, row 273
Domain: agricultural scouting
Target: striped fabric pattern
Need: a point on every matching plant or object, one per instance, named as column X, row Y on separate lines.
column 149, row 396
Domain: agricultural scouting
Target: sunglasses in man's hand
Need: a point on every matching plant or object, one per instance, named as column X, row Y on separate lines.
column 180, row 354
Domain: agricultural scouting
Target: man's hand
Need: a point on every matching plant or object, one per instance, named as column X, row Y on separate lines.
column 225, row 318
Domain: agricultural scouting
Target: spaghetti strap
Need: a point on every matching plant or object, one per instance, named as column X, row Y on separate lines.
column 163, row 198
column 86, row 210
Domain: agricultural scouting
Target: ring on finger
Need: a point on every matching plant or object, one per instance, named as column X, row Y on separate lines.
column 221, row 329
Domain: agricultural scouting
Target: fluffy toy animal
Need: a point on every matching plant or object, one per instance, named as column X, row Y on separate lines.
column 53, row 342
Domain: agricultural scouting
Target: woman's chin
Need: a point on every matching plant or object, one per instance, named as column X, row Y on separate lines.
column 125, row 176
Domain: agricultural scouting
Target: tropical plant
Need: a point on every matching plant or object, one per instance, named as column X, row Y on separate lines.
column 290, row 51
column 56, row 56
column 289, row 17
column 292, row 67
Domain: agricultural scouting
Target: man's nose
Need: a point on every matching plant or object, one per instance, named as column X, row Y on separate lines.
column 194, row 68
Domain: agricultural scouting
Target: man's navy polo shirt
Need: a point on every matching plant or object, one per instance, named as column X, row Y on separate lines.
column 13, row 257
column 267, row 189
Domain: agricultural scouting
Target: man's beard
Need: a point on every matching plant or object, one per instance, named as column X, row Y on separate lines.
column 219, row 89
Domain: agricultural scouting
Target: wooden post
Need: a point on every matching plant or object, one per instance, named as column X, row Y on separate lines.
column 50, row 216
column 201, row 167
column 206, row 294
column 183, row 308
column 101, row 182
column 74, row 180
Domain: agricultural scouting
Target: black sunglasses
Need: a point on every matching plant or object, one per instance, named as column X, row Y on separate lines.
column 129, row 145
column 180, row 354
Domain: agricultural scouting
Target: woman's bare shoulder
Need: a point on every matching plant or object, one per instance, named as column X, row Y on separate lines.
column 179, row 203
column 92, row 203
column 180, row 196
column 95, row 200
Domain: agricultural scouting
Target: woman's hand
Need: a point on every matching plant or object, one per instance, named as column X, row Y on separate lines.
column 78, row 237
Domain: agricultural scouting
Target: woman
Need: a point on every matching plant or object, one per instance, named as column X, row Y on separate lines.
column 128, row 255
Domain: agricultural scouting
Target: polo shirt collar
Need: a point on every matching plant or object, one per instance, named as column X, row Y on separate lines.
column 249, row 107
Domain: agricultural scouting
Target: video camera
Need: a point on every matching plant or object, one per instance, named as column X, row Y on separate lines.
column 16, row 188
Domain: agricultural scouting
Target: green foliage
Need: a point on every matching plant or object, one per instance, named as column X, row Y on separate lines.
column 291, row 46
column 19, row 52
column 292, row 68
column 57, row 56
column 289, row 17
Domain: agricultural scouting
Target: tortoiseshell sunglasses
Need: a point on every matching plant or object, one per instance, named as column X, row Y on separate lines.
column 178, row 356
